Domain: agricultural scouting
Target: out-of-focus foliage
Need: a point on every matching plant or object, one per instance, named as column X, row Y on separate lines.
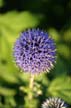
column 1, row 3
column 54, row 17
column 61, row 88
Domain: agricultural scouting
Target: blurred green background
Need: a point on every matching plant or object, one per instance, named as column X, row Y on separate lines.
column 54, row 16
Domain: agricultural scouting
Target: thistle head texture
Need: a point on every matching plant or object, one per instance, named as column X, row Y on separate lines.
column 34, row 51
column 54, row 103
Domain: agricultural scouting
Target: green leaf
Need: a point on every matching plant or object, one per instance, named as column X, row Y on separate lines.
column 54, row 34
column 1, row 3
column 6, row 91
column 61, row 87
column 10, row 101
column 19, row 21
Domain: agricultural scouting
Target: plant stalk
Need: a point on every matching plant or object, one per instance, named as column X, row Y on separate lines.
column 31, row 86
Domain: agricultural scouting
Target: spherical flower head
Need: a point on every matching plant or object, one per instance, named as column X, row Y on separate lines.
column 34, row 51
column 54, row 103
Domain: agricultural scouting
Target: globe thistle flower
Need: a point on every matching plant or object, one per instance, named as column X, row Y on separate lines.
column 54, row 103
column 34, row 51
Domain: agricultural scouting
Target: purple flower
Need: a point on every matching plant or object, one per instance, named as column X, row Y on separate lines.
column 34, row 51
column 54, row 103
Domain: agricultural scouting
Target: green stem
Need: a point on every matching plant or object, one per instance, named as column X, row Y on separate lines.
column 31, row 85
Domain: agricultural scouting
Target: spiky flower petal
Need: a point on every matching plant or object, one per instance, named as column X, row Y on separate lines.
column 34, row 51
column 54, row 103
